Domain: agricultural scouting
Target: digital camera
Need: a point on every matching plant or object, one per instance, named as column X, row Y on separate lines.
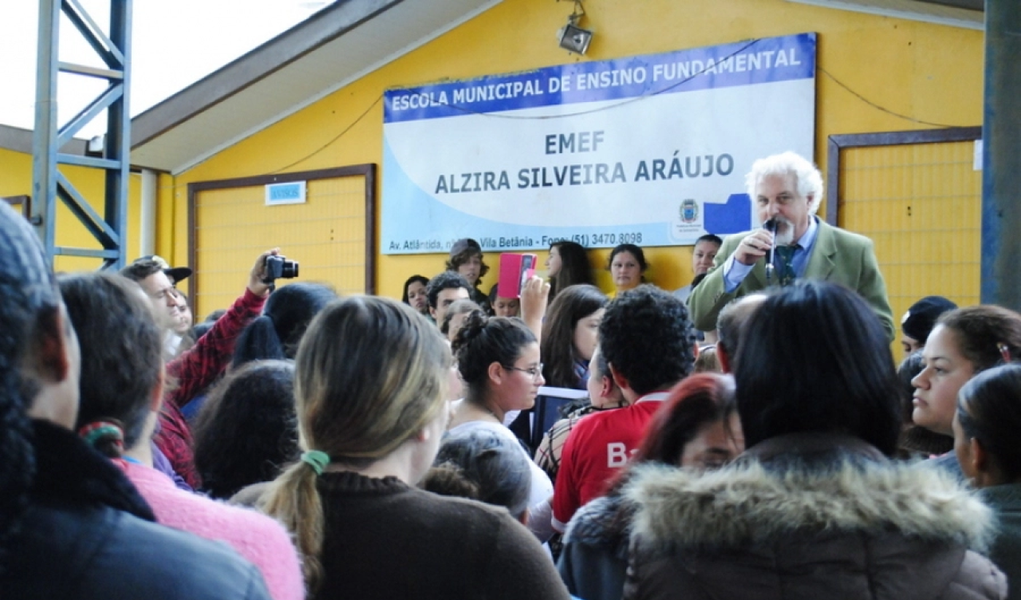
column 278, row 267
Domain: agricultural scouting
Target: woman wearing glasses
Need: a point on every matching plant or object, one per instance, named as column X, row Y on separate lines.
column 498, row 358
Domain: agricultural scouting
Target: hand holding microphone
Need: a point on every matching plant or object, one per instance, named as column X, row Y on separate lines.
column 770, row 226
column 757, row 244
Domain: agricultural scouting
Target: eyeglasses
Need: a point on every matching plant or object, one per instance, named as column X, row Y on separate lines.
column 535, row 372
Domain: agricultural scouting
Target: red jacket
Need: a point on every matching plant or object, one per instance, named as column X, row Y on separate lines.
column 191, row 373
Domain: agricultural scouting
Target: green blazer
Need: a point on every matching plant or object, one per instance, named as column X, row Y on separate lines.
column 838, row 256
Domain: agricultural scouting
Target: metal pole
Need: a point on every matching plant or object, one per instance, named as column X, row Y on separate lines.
column 1001, row 177
column 44, row 138
column 49, row 184
column 118, row 136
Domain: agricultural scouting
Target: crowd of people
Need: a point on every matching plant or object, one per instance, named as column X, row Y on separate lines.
column 747, row 436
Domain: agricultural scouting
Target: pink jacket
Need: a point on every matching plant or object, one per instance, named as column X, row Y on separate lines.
column 256, row 537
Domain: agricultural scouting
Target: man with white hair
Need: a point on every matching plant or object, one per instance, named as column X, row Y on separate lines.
column 788, row 189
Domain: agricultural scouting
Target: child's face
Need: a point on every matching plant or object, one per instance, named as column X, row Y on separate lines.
column 506, row 307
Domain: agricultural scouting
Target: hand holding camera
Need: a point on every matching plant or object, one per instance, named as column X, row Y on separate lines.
column 269, row 267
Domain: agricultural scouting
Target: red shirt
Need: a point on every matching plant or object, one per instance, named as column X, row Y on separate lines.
column 191, row 373
column 598, row 446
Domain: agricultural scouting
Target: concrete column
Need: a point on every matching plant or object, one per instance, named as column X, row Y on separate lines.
column 1001, row 161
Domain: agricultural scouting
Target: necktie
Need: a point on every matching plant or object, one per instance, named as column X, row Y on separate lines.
column 785, row 264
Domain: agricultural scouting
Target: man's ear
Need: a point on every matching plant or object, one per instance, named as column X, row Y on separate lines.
column 432, row 312
column 606, row 387
column 50, row 347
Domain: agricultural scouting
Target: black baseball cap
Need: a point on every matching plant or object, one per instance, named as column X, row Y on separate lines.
column 174, row 273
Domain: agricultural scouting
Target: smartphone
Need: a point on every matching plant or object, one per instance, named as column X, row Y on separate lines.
column 515, row 270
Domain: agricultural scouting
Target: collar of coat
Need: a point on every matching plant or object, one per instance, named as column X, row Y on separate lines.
column 820, row 483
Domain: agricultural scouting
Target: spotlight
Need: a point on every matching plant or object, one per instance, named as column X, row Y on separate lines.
column 570, row 36
column 574, row 38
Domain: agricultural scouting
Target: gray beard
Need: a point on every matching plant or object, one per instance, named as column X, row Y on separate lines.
column 784, row 232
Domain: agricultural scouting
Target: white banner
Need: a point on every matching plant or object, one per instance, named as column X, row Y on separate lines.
column 650, row 150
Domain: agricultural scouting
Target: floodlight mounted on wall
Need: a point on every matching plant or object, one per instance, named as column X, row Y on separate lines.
column 572, row 37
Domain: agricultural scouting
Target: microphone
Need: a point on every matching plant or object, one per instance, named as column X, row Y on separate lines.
column 770, row 226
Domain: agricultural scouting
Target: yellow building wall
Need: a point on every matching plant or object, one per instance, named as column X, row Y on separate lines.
column 927, row 72
column 16, row 180
column 922, row 206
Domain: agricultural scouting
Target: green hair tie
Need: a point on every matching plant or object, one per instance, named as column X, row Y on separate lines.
column 316, row 459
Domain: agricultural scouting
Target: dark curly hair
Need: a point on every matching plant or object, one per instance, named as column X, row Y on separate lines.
column 247, row 430
column 464, row 256
column 558, row 352
column 648, row 339
column 483, row 340
column 446, row 280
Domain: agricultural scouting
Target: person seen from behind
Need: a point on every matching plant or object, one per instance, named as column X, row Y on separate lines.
column 697, row 428
column 815, row 507
column 121, row 390
column 601, row 444
column 985, row 440
column 372, row 409
column 71, row 525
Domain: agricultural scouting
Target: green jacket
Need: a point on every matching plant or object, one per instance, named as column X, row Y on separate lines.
column 838, row 256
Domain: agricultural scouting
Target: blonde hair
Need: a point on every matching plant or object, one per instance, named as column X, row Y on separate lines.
column 370, row 374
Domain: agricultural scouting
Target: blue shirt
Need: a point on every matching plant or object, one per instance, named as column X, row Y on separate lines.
column 734, row 272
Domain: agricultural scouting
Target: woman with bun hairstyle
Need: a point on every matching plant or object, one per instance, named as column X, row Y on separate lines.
column 627, row 267
column 963, row 343
column 370, row 390
column 986, row 443
column 570, row 333
column 498, row 359
column 568, row 265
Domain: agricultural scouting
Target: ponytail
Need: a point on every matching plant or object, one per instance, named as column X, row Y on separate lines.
column 294, row 500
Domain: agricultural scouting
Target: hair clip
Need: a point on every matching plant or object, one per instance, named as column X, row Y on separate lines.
column 1004, row 351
